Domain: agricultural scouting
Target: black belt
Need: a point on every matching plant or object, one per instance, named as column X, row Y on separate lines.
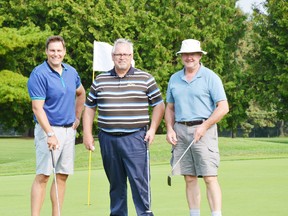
column 192, row 123
column 124, row 133
column 118, row 133
column 65, row 126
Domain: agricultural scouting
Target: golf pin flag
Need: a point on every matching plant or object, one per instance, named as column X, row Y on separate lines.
column 102, row 59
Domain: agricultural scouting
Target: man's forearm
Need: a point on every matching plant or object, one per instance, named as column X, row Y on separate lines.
column 221, row 110
column 169, row 117
column 80, row 100
column 157, row 116
column 88, row 118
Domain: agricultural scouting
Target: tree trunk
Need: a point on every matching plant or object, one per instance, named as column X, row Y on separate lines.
column 281, row 128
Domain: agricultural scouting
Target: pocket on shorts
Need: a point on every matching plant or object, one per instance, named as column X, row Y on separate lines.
column 212, row 139
column 213, row 146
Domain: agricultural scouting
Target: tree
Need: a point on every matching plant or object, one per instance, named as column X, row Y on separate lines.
column 15, row 103
column 270, row 59
column 156, row 27
column 258, row 117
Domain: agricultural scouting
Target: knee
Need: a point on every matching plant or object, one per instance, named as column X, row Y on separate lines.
column 191, row 180
column 41, row 179
column 61, row 177
column 210, row 179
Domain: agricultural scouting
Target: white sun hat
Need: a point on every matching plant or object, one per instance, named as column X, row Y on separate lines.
column 191, row 46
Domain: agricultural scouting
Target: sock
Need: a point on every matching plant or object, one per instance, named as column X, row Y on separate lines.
column 194, row 212
column 216, row 213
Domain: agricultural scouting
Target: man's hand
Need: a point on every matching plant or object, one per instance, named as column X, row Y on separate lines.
column 199, row 132
column 149, row 136
column 76, row 124
column 88, row 141
column 171, row 137
column 53, row 143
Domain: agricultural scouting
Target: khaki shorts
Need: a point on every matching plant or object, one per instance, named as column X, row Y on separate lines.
column 202, row 159
column 63, row 157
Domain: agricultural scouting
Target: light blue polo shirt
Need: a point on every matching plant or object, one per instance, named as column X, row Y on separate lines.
column 195, row 100
column 59, row 92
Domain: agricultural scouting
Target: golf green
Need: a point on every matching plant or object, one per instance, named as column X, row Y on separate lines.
column 250, row 188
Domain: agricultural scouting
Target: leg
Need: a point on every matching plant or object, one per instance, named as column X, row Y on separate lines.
column 193, row 194
column 136, row 164
column 61, row 184
column 115, row 172
column 214, row 194
column 38, row 192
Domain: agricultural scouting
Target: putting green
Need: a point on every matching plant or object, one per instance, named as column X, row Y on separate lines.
column 250, row 188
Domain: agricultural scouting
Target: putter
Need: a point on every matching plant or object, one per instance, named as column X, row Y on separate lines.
column 170, row 175
column 55, row 183
column 148, row 174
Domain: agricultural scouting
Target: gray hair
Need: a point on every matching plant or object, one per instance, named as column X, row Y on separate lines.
column 122, row 41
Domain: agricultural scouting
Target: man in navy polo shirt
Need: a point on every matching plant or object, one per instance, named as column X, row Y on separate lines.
column 57, row 102
column 123, row 96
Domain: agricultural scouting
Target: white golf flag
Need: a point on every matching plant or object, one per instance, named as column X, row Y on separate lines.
column 102, row 59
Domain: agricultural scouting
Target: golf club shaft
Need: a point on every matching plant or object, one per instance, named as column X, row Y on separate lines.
column 148, row 176
column 182, row 156
column 55, row 183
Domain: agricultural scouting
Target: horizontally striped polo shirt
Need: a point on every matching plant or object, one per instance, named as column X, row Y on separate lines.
column 123, row 102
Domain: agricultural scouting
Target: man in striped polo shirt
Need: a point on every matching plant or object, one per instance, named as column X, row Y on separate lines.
column 123, row 96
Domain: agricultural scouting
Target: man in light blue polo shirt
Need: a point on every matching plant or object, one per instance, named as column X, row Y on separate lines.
column 196, row 101
column 57, row 102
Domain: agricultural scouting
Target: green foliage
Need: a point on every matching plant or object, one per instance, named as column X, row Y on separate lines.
column 22, row 40
column 14, row 102
column 19, row 48
column 259, row 117
column 270, row 61
column 156, row 28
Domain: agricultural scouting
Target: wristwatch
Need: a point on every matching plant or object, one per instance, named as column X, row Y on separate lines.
column 50, row 134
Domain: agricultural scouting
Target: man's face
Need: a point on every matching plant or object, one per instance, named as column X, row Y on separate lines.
column 122, row 57
column 191, row 60
column 55, row 53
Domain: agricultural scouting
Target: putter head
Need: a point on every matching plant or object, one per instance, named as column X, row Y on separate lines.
column 169, row 180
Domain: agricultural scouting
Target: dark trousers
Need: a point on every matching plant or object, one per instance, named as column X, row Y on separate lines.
column 126, row 156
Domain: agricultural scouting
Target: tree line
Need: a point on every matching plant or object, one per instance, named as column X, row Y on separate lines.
column 249, row 52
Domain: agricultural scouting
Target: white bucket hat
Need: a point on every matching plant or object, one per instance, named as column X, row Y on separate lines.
column 191, row 46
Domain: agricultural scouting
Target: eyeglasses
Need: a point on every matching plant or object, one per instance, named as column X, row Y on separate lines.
column 125, row 55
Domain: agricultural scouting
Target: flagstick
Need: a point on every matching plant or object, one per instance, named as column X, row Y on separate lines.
column 89, row 176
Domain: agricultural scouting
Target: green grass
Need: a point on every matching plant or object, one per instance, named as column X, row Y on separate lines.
column 253, row 175
column 17, row 156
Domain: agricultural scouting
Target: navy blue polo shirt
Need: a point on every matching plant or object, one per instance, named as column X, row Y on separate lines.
column 58, row 91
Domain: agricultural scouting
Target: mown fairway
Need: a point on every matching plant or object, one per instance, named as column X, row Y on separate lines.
column 253, row 176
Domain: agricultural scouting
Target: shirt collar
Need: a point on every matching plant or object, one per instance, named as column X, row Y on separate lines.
column 130, row 72
column 198, row 74
column 51, row 69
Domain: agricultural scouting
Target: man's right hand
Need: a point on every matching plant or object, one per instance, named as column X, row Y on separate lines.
column 52, row 143
column 171, row 137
